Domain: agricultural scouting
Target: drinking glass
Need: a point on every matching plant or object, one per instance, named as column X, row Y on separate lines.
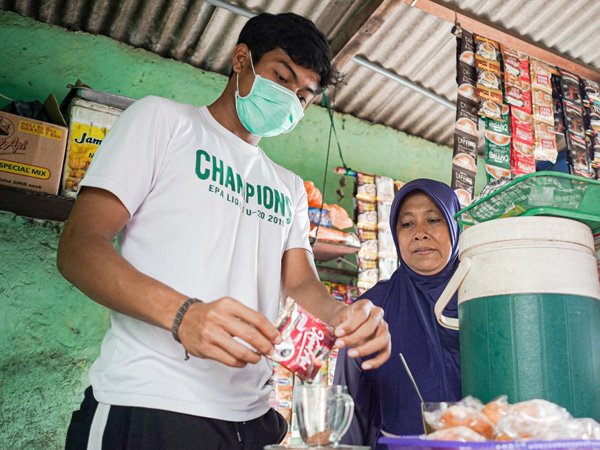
column 324, row 413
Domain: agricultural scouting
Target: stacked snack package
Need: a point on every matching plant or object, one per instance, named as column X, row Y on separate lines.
column 366, row 222
column 489, row 78
column 497, row 147
column 492, row 109
column 344, row 293
column 387, row 257
column 517, row 93
column 281, row 398
column 471, row 421
column 591, row 102
column 574, row 113
column 497, row 138
column 466, row 135
column 545, row 148
column 328, row 220
column 559, row 119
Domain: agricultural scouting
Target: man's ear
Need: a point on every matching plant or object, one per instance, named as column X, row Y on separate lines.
column 241, row 55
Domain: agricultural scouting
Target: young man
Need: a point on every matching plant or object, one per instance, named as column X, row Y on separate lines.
column 211, row 234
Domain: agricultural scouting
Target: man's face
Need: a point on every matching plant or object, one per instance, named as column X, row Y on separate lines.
column 277, row 66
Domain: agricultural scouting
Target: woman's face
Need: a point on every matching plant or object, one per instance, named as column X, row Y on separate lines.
column 423, row 235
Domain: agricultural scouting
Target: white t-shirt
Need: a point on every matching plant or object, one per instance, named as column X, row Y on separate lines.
column 211, row 216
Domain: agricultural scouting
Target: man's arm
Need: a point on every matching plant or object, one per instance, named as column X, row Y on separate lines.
column 88, row 259
column 360, row 326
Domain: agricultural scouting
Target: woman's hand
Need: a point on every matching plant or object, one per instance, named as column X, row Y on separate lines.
column 361, row 328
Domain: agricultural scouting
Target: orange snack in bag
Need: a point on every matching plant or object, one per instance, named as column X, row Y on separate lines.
column 529, row 419
column 458, row 415
column 496, row 409
column 314, row 196
column 462, row 434
column 339, row 216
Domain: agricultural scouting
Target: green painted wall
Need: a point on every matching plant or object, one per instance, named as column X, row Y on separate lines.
column 49, row 331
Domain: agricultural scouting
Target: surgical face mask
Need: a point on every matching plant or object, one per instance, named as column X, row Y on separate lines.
column 269, row 109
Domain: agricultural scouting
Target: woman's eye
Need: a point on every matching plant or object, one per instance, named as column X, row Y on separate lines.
column 405, row 225
column 435, row 220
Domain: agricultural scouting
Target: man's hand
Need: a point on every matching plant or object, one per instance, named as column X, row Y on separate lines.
column 361, row 328
column 208, row 330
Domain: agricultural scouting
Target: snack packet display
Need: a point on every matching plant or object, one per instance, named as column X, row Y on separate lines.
column 366, row 189
column 591, row 90
column 386, row 267
column 280, row 398
column 369, row 250
column 517, row 82
column 367, row 235
column 306, row 341
column 367, row 222
column 545, row 148
column 497, row 154
column 541, row 76
column 387, row 249
column 570, row 89
column 466, row 133
column 579, row 155
column 489, row 79
column 385, row 189
column 383, row 216
column 366, row 218
column 367, row 278
column 522, row 143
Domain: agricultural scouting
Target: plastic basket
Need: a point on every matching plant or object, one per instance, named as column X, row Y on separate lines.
column 540, row 193
column 416, row 443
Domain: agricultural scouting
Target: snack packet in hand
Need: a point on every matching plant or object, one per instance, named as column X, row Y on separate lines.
column 306, row 341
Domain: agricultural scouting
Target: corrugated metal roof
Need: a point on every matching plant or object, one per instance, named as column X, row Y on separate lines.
column 413, row 44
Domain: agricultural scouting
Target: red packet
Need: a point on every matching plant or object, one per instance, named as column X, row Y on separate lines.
column 306, row 341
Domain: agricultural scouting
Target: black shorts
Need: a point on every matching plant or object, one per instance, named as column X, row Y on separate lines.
column 133, row 428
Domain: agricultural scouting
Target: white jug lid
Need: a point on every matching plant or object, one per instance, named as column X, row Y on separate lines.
column 531, row 228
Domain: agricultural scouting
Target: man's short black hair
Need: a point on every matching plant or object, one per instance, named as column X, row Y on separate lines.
column 297, row 36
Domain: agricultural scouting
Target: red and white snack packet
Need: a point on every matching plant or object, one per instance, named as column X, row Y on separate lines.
column 306, row 341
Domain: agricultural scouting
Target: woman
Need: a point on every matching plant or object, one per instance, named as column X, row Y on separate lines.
column 426, row 238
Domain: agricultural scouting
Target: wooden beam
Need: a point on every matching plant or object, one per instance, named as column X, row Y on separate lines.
column 471, row 22
column 364, row 32
column 344, row 30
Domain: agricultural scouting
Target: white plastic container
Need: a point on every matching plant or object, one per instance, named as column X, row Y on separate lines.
column 89, row 123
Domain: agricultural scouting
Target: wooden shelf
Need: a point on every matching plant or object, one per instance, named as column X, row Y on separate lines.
column 326, row 251
column 35, row 204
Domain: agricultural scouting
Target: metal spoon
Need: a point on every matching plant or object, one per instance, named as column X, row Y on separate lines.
column 411, row 377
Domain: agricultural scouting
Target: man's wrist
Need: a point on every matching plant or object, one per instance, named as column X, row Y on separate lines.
column 179, row 316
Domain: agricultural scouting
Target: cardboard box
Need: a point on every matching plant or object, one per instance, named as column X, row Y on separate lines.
column 32, row 151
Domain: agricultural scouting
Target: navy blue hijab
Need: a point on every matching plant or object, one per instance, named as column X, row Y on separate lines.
column 385, row 399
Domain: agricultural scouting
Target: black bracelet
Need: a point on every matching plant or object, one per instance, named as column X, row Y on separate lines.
column 179, row 317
